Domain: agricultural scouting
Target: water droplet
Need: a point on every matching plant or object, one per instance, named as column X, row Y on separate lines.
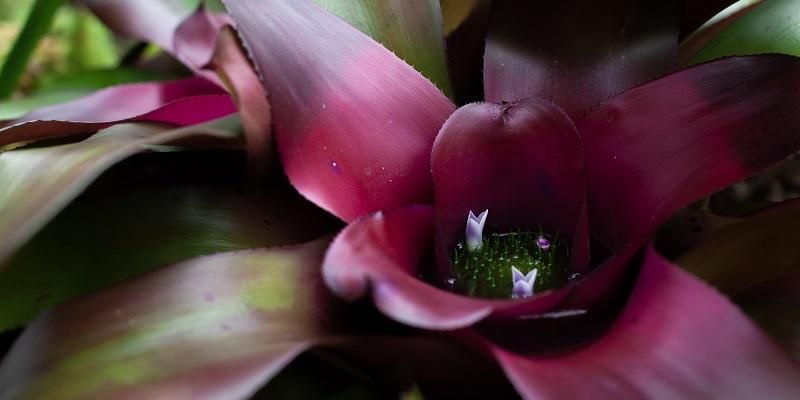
column 335, row 168
column 367, row 171
column 324, row 106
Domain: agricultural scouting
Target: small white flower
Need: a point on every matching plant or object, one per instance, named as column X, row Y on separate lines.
column 474, row 235
column 523, row 284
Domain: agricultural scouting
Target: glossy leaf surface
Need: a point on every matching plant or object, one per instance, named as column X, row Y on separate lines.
column 412, row 29
column 354, row 96
column 771, row 27
column 712, row 28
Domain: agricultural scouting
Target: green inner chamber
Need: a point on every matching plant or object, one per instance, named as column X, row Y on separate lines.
column 486, row 272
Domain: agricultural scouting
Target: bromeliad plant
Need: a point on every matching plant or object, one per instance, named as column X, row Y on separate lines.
column 516, row 233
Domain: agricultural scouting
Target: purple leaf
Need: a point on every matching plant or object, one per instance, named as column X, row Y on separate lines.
column 353, row 123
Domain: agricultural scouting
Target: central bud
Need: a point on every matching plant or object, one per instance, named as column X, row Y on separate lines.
column 507, row 265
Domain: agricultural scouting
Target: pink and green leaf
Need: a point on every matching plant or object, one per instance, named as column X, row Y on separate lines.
column 182, row 102
column 215, row 327
column 100, row 239
column 411, row 29
column 709, row 30
column 768, row 27
column 353, row 94
column 40, row 182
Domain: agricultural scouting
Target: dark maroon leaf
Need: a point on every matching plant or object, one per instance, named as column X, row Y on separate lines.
column 656, row 148
column 577, row 53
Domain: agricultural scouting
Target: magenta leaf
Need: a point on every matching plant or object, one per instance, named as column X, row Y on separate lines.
column 195, row 38
column 215, row 327
column 677, row 338
column 368, row 119
column 522, row 161
column 657, row 147
column 182, row 102
column 410, row 29
column 576, row 54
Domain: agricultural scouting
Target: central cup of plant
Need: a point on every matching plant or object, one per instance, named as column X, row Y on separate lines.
column 507, row 265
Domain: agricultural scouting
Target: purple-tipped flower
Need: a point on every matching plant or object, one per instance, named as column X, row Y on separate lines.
column 543, row 243
column 474, row 234
column 523, row 284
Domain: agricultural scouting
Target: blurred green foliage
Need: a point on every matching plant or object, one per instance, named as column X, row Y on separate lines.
column 76, row 41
